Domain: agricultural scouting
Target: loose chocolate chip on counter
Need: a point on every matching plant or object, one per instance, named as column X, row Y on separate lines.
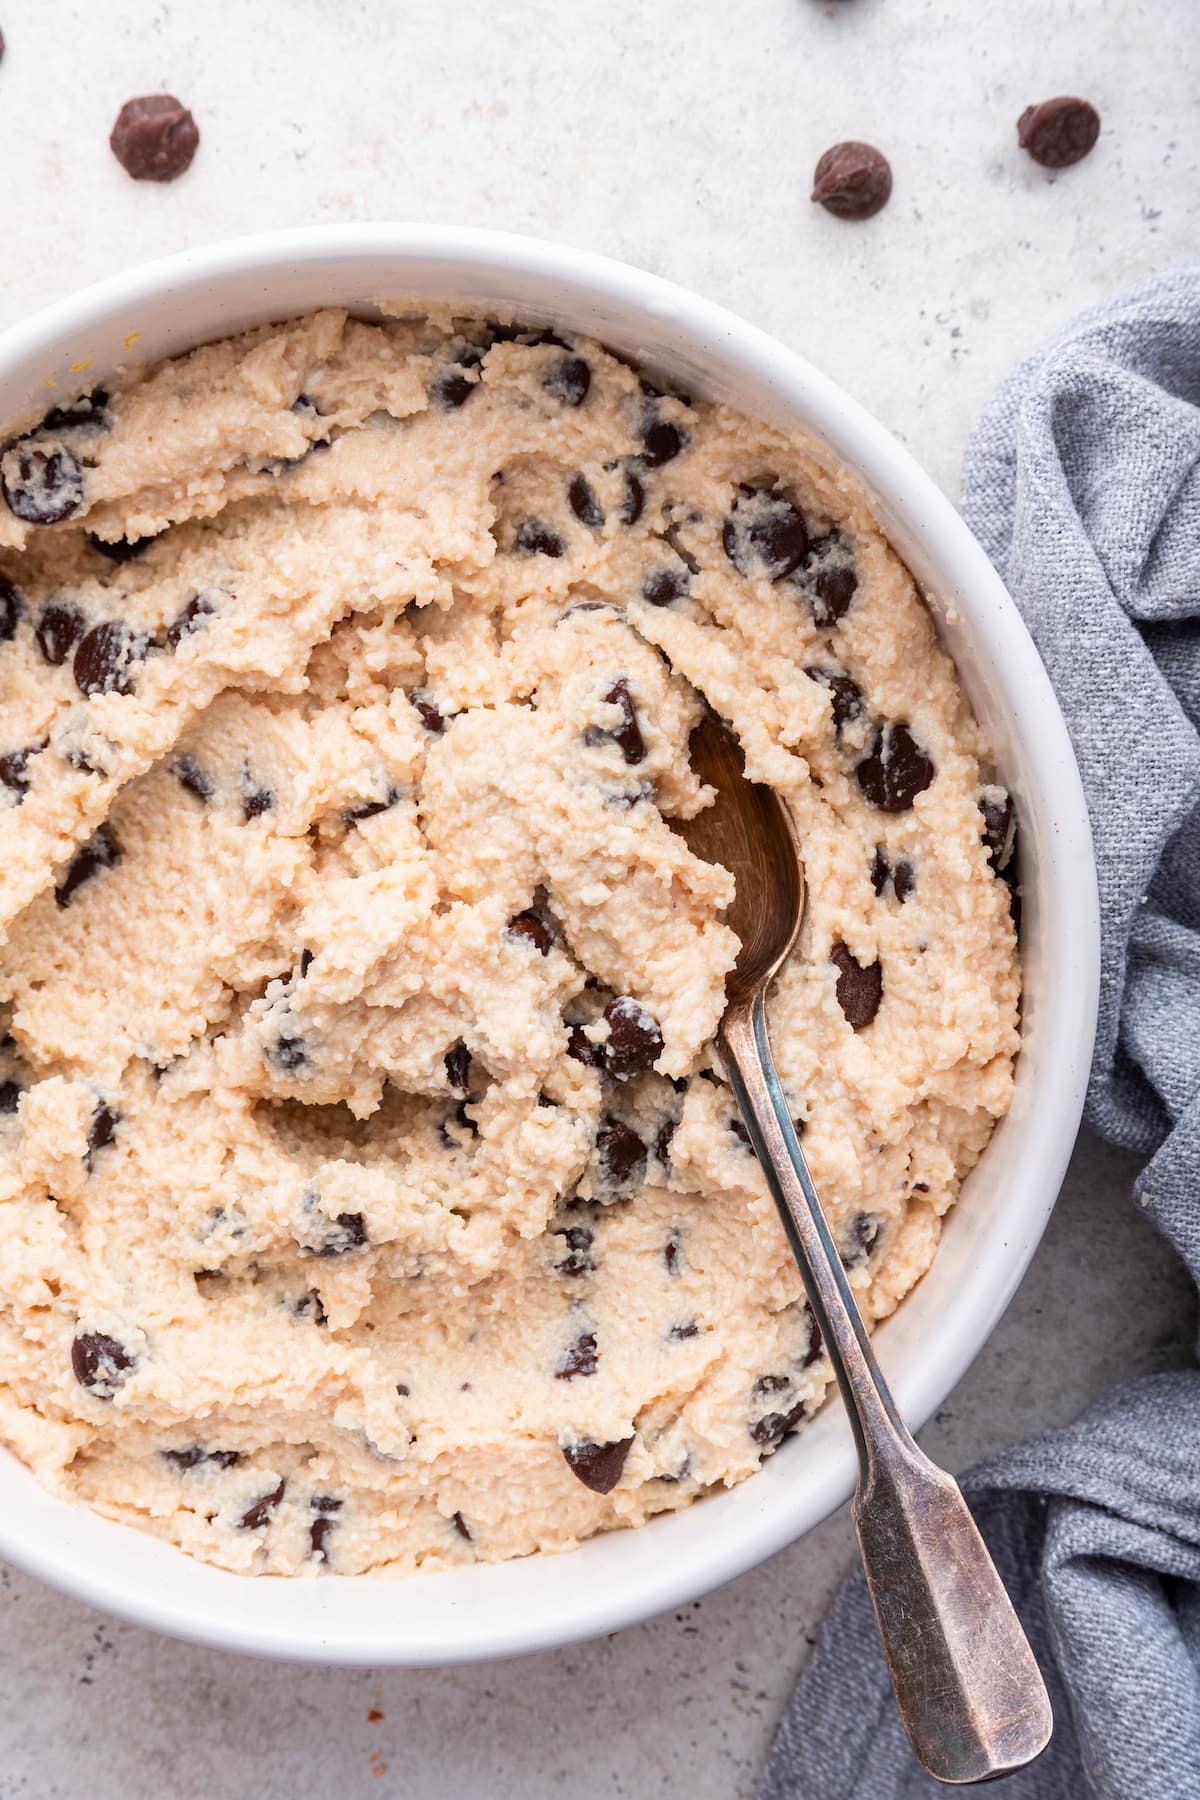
column 190, row 775
column 191, row 619
column 662, row 1141
column 582, row 1049
column 102, row 1130
column 119, row 550
column 255, row 800
column 195, row 1456
column 536, row 538
column 10, row 1095
column 859, row 990
column 598, row 1466
column 100, row 1363
column 662, row 587
column 431, row 718
column 581, row 497
column 833, row 590
column 104, row 657
column 860, row 1240
column 580, row 1357
column 458, row 1069
column 14, row 771
column 529, row 929
column 578, row 1260
column 633, row 500
column 634, row 1039
column 852, row 180
column 621, row 1151
column 460, row 1525
column 895, row 770
column 155, row 138
column 102, row 851
column 288, row 1054
column 845, row 695
column 671, row 1249
column 1058, row 132
column 903, row 881
column 764, row 536
column 568, row 380
column 881, row 869
column 997, row 830
column 11, row 608
column 43, row 486
column 261, row 1511
column 628, row 734
column 58, row 630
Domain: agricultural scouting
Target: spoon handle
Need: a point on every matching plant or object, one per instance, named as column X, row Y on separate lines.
column 970, row 1694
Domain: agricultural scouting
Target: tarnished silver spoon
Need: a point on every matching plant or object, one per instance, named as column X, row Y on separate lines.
column 969, row 1691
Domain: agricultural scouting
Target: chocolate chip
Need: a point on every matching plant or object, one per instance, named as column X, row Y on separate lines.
column 14, row 775
column 120, row 550
column 845, row 695
column 191, row 619
column 403, row 1389
column 568, row 380
column 58, row 630
column 580, row 1357
column 621, row 1151
column 598, row 1466
column 318, row 1537
column 671, row 1249
column 859, row 990
column 815, row 1344
column 881, row 869
column 103, row 658
column 765, row 536
column 431, row 718
column 895, row 770
column 306, row 962
column 903, row 881
column 682, row 1330
column 88, row 413
column 770, row 1384
column 581, row 1047
column 310, row 1303
column 41, row 486
column 833, row 588
column 11, row 608
column 191, row 776
column 452, row 387
column 1058, row 132
column 581, row 497
column 578, row 1260
column 661, row 441
column 536, row 538
column 633, row 500
column 529, row 929
column 370, row 809
column 628, row 734
column 634, row 1039
column 461, row 1526
column 155, row 137
column 102, row 1130
column 289, row 1054
column 772, row 1429
column 100, row 1363
column 195, row 1456
column 997, row 830
column 261, row 1511
column 458, row 1069
column 860, row 1240
column 852, row 180
column 662, row 1141
column 10, row 1096
column 662, row 587
column 255, row 800
column 102, row 851
column 347, row 1232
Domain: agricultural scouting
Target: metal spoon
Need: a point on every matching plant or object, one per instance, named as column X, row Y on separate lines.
column 970, row 1694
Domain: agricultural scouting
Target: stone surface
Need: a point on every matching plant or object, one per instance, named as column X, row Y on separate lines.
column 682, row 139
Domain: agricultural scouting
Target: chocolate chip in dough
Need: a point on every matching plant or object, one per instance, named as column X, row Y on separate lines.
column 628, row 734
column 580, row 1357
column 288, row 1054
column 120, row 550
column 429, row 715
column 662, row 441
column 195, row 1456
column 155, row 138
column 59, row 628
column 261, row 1511
column 771, row 1430
column 845, row 695
column 100, row 1363
column 581, row 498
column 318, row 1537
column 598, row 1466
column 860, row 1240
column 833, row 590
column 101, row 1131
column 815, row 1343
column 859, row 989
column 536, row 538
column 634, row 1039
column 662, row 1141
column 621, row 1151
column 11, row 608
column 104, row 657
column 852, row 180
column 633, row 499
column 903, row 881
column 341, row 1235
column 527, row 928
column 895, row 770
column 881, row 869
column 582, row 1049
column 14, row 771
column 764, row 536
column 256, row 800
column 1058, row 132
column 102, row 851
column 579, row 1259
column 997, row 830
column 458, row 1069
column 190, row 775
column 42, row 484
column 190, row 620
column 671, row 1249
column 370, row 809
column 682, row 1330
column 460, row 1525
column 88, row 413
column 663, row 587
column 568, row 380
column 10, row 1095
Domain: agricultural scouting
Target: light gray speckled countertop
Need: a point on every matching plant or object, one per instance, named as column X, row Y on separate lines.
column 680, row 136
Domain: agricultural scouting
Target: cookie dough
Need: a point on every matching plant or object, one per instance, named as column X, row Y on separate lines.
column 372, row 1199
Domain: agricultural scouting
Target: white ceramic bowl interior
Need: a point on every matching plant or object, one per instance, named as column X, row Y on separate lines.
column 625, row 1576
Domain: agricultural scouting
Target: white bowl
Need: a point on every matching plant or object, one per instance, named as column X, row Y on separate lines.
column 625, row 1576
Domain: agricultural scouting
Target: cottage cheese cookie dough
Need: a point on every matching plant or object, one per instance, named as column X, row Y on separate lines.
column 371, row 1198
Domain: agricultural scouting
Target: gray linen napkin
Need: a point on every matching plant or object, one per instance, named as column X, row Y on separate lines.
column 1082, row 481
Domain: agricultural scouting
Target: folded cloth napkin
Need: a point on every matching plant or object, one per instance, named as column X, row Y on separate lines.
column 1082, row 480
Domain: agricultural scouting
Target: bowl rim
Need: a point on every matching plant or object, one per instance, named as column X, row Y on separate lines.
column 65, row 1545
